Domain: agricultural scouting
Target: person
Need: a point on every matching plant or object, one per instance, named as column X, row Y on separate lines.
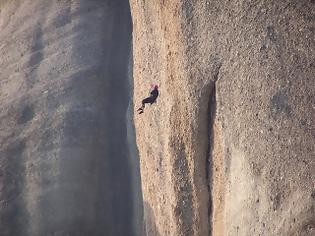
column 152, row 99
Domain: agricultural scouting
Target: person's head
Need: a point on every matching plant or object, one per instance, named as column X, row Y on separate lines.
column 156, row 86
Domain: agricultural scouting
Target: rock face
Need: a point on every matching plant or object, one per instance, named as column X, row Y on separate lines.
column 66, row 166
column 229, row 147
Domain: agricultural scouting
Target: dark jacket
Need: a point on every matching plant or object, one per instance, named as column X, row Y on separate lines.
column 154, row 94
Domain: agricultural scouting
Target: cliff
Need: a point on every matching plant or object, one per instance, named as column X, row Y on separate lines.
column 229, row 147
column 66, row 161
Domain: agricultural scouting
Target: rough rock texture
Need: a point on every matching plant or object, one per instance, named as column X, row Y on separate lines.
column 66, row 166
column 229, row 147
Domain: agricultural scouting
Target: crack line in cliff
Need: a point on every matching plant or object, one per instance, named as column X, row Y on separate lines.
column 212, row 104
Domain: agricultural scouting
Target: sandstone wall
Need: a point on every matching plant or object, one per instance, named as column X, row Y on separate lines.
column 229, row 147
column 65, row 162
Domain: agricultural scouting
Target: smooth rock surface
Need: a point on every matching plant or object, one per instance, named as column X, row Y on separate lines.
column 66, row 164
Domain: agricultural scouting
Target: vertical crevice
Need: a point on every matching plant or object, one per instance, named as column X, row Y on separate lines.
column 212, row 105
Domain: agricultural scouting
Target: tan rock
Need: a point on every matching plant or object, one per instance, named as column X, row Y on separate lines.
column 237, row 102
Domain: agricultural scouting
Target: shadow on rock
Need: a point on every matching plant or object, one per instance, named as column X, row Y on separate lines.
column 149, row 226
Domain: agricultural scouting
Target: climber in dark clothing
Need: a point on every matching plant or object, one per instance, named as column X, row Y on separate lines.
column 152, row 99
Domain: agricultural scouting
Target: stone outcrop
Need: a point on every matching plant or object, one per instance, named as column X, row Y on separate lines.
column 66, row 167
column 229, row 147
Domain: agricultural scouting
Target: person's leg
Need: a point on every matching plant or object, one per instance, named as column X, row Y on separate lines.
column 143, row 105
column 144, row 101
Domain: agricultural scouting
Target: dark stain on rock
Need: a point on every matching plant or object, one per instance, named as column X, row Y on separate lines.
column 271, row 33
column 46, row 139
column 64, row 17
column 276, row 202
column 263, row 54
column 183, row 209
column 13, row 215
column 37, row 55
column 26, row 115
column 263, row 48
column 279, row 104
column 308, row 227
